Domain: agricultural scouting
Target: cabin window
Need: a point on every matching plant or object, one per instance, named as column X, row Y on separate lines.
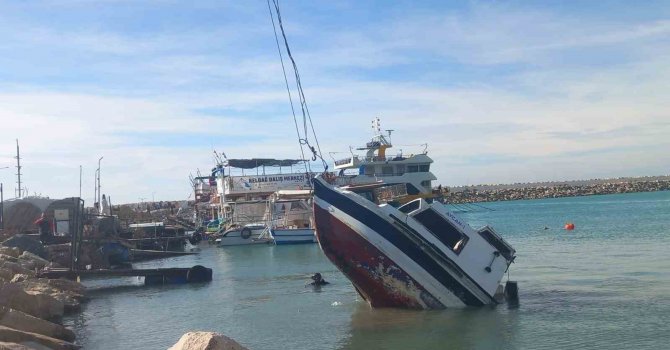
column 411, row 206
column 369, row 170
column 442, row 229
column 400, row 169
column 387, row 170
column 424, row 168
column 412, row 168
column 426, row 184
column 497, row 243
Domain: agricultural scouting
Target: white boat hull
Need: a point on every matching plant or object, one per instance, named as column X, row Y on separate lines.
column 235, row 237
column 293, row 235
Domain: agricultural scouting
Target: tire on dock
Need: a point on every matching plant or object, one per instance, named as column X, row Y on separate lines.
column 198, row 273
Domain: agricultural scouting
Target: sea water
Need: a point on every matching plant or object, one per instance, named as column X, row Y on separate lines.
column 604, row 285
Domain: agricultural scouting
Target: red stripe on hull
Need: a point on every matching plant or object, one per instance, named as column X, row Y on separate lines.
column 376, row 277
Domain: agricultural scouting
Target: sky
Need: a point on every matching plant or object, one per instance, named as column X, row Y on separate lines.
column 501, row 91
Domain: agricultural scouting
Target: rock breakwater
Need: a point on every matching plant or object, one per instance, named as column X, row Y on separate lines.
column 491, row 193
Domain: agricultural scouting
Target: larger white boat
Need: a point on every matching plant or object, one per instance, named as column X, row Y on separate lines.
column 376, row 166
column 245, row 188
column 406, row 250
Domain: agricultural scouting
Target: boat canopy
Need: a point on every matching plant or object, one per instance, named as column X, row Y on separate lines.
column 258, row 162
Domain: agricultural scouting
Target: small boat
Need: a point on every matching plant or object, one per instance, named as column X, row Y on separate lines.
column 247, row 234
column 291, row 214
column 407, row 253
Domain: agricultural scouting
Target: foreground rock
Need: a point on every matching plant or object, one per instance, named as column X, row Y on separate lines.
column 13, row 346
column 24, row 322
column 71, row 294
column 34, row 340
column 26, row 243
column 206, row 341
column 36, row 304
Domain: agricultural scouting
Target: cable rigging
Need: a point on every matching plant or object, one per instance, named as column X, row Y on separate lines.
column 306, row 117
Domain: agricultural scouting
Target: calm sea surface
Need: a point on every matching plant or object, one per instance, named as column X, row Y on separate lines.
column 605, row 285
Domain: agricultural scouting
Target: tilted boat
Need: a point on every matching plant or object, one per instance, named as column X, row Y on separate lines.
column 415, row 255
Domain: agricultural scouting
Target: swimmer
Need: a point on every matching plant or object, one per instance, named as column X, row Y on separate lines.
column 318, row 281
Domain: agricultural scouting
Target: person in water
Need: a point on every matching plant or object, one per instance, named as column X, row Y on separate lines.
column 317, row 280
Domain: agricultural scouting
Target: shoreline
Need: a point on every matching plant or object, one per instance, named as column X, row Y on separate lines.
column 579, row 188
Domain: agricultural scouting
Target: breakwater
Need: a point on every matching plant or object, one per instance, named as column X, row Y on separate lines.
column 518, row 191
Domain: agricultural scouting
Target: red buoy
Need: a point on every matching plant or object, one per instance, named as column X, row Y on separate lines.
column 569, row 226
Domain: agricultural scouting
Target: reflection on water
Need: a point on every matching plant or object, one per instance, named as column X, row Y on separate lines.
column 605, row 285
column 470, row 328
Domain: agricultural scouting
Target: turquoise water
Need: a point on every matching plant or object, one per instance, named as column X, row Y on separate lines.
column 604, row 285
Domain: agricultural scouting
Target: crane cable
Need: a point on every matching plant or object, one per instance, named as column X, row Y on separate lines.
column 301, row 95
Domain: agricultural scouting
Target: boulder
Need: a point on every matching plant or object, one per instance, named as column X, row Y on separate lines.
column 33, row 303
column 10, row 251
column 31, row 261
column 67, row 285
column 206, row 341
column 69, row 295
column 34, row 340
column 5, row 257
column 24, row 243
column 13, row 346
column 6, row 274
column 23, row 322
column 19, row 277
column 15, row 268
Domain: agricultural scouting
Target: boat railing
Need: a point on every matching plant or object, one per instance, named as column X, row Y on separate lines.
column 384, row 159
column 345, row 161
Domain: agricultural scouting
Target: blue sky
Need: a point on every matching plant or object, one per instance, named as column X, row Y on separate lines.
column 501, row 91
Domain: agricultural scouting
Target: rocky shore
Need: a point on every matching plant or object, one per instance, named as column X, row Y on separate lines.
column 491, row 193
column 31, row 308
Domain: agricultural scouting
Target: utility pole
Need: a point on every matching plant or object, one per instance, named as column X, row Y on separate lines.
column 95, row 187
column 2, row 208
column 18, row 169
column 99, row 180
column 80, row 181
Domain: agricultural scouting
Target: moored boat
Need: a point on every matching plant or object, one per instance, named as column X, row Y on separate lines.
column 292, row 217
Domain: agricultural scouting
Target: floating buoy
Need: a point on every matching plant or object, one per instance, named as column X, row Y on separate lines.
column 569, row 226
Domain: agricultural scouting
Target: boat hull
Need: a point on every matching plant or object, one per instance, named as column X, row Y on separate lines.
column 234, row 238
column 374, row 275
column 283, row 236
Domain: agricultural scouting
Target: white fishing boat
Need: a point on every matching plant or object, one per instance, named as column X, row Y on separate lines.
column 403, row 250
column 292, row 217
column 245, row 188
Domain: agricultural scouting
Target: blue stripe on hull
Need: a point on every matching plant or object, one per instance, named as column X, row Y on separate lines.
column 398, row 239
